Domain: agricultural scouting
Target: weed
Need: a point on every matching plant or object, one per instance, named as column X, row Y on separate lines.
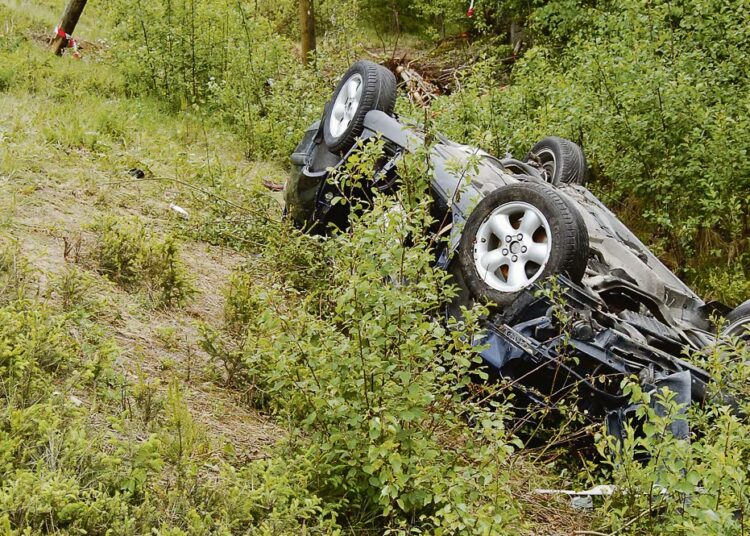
column 15, row 273
column 347, row 345
column 132, row 256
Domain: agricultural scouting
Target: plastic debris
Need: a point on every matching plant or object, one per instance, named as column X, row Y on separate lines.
column 180, row 211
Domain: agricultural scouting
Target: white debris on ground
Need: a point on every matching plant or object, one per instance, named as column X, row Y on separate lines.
column 180, row 211
column 581, row 499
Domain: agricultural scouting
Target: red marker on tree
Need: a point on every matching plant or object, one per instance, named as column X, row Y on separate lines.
column 67, row 25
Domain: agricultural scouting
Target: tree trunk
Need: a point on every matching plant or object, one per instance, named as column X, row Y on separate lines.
column 307, row 27
column 68, row 24
column 517, row 35
column 440, row 22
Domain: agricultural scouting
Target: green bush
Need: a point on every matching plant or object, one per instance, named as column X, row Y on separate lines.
column 69, row 464
column 49, row 473
column 225, row 59
column 697, row 485
column 373, row 381
column 297, row 266
column 131, row 255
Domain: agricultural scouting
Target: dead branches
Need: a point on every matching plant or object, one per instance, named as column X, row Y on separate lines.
column 420, row 91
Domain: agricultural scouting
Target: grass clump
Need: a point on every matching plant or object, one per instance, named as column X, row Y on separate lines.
column 131, row 255
column 15, row 274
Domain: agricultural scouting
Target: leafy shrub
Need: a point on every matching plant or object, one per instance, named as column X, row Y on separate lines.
column 119, row 246
column 373, row 380
column 82, row 294
column 294, row 262
column 669, row 485
column 130, row 255
column 73, row 286
column 238, row 63
column 36, row 344
column 433, row 20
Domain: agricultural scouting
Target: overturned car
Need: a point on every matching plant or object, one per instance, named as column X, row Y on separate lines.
column 516, row 225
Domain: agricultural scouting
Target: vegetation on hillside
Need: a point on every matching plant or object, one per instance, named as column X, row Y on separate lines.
column 139, row 351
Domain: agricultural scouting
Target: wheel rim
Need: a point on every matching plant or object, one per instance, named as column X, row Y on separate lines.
column 346, row 105
column 548, row 163
column 512, row 246
column 739, row 328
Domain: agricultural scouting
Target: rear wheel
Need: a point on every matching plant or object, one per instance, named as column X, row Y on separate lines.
column 517, row 235
column 559, row 160
column 738, row 322
column 366, row 86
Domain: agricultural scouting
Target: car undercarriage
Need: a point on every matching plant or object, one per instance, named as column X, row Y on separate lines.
column 578, row 303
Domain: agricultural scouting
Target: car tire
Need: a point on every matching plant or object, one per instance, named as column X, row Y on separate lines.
column 366, row 86
column 387, row 100
column 501, row 254
column 561, row 161
column 738, row 322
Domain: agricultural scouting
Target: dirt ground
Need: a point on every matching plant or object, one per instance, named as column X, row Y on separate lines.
column 159, row 345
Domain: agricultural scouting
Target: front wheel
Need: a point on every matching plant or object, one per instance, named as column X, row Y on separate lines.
column 517, row 235
column 560, row 161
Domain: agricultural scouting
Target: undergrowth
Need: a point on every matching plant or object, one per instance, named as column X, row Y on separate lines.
column 372, row 380
column 133, row 256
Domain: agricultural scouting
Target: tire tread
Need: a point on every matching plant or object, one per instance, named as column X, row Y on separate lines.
column 571, row 167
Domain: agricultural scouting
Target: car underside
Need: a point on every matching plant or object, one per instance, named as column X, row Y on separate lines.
column 578, row 302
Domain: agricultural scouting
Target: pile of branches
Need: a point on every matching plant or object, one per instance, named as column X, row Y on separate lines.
column 438, row 71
